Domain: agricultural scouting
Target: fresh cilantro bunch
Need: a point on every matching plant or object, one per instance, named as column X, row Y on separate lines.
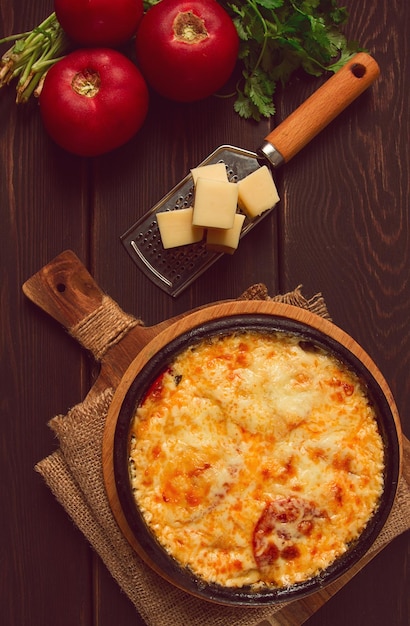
column 278, row 37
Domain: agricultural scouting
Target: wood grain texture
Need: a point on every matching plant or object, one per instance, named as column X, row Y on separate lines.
column 38, row 572
column 346, row 232
column 342, row 227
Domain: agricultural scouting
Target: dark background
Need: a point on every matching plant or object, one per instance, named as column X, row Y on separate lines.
column 342, row 228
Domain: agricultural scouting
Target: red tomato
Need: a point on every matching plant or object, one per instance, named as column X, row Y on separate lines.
column 93, row 101
column 187, row 49
column 99, row 22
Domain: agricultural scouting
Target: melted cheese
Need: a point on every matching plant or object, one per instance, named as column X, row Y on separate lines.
column 256, row 461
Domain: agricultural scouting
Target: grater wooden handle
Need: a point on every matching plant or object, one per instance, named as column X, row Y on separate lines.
column 321, row 108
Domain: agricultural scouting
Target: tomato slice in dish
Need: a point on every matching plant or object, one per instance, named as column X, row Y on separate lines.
column 280, row 528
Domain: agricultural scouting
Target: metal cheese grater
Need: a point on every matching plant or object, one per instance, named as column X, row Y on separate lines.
column 174, row 269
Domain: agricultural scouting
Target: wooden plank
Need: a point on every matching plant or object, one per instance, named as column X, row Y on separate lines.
column 343, row 235
column 46, row 564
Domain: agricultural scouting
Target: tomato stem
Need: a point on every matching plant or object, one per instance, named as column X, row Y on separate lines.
column 189, row 28
column 87, row 83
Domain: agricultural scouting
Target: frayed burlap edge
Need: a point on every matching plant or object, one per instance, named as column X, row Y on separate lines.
column 316, row 304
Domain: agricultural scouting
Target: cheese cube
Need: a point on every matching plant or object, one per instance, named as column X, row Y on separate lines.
column 215, row 203
column 216, row 171
column 225, row 240
column 257, row 192
column 176, row 228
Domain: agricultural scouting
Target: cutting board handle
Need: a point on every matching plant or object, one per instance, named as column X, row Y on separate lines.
column 320, row 109
column 64, row 289
column 68, row 293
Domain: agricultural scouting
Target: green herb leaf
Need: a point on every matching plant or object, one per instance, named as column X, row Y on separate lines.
column 278, row 37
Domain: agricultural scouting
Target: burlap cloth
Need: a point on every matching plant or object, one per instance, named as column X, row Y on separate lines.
column 74, row 474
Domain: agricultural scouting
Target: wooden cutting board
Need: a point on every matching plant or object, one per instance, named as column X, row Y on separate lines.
column 67, row 292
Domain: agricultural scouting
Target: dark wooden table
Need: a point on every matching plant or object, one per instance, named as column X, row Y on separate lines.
column 342, row 228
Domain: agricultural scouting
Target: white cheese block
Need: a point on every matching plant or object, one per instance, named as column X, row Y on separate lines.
column 216, row 171
column 225, row 240
column 257, row 192
column 176, row 228
column 215, row 203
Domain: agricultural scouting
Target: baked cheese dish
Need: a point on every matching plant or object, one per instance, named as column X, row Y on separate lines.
column 256, row 459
